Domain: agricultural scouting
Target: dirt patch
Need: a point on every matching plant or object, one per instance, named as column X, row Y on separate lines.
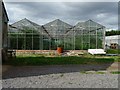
column 114, row 67
column 5, row 68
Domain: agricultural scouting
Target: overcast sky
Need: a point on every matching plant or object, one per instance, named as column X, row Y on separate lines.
column 105, row 13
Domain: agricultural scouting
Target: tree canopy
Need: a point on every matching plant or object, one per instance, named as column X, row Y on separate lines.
column 113, row 32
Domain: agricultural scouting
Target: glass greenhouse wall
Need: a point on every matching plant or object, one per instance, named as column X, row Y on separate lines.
column 83, row 36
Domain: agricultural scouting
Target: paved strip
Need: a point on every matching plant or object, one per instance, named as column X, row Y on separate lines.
column 25, row 71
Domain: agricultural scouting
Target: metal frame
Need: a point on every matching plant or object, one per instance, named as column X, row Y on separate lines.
column 87, row 35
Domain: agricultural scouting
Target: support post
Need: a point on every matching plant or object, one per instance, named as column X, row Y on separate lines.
column 104, row 29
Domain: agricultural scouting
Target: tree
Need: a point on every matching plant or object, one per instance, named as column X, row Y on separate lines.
column 113, row 32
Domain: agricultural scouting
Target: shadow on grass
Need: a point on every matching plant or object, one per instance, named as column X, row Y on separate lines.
column 35, row 66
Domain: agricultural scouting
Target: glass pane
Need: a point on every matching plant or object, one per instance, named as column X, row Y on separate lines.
column 28, row 42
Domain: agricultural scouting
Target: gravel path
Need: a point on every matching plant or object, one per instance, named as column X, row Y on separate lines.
column 60, row 76
column 64, row 80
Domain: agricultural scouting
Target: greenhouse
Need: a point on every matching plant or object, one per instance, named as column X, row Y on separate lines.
column 27, row 35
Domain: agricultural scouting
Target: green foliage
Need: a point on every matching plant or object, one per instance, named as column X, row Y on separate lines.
column 113, row 32
column 78, row 43
column 84, row 72
column 53, row 44
column 115, row 72
column 36, row 42
column 58, row 60
column 112, row 51
column 60, row 43
column 99, row 72
column 13, row 41
column 45, row 45
column 26, row 40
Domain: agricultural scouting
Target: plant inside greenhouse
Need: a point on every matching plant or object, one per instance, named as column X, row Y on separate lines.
column 27, row 35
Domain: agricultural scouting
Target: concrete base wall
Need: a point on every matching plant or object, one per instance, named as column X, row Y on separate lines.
column 45, row 51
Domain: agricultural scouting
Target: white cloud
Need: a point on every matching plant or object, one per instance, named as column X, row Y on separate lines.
column 61, row 0
column 101, row 15
column 41, row 13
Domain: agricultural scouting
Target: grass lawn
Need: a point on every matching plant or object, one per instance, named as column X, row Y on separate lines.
column 113, row 51
column 40, row 60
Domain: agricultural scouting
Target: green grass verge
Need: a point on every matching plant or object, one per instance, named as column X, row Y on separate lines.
column 96, row 72
column 100, row 72
column 116, row 72
column 57, row 60
column 113, row 51
column 84, row 72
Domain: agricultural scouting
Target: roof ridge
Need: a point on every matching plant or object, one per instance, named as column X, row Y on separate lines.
column 33, row 23
column 58, row 20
